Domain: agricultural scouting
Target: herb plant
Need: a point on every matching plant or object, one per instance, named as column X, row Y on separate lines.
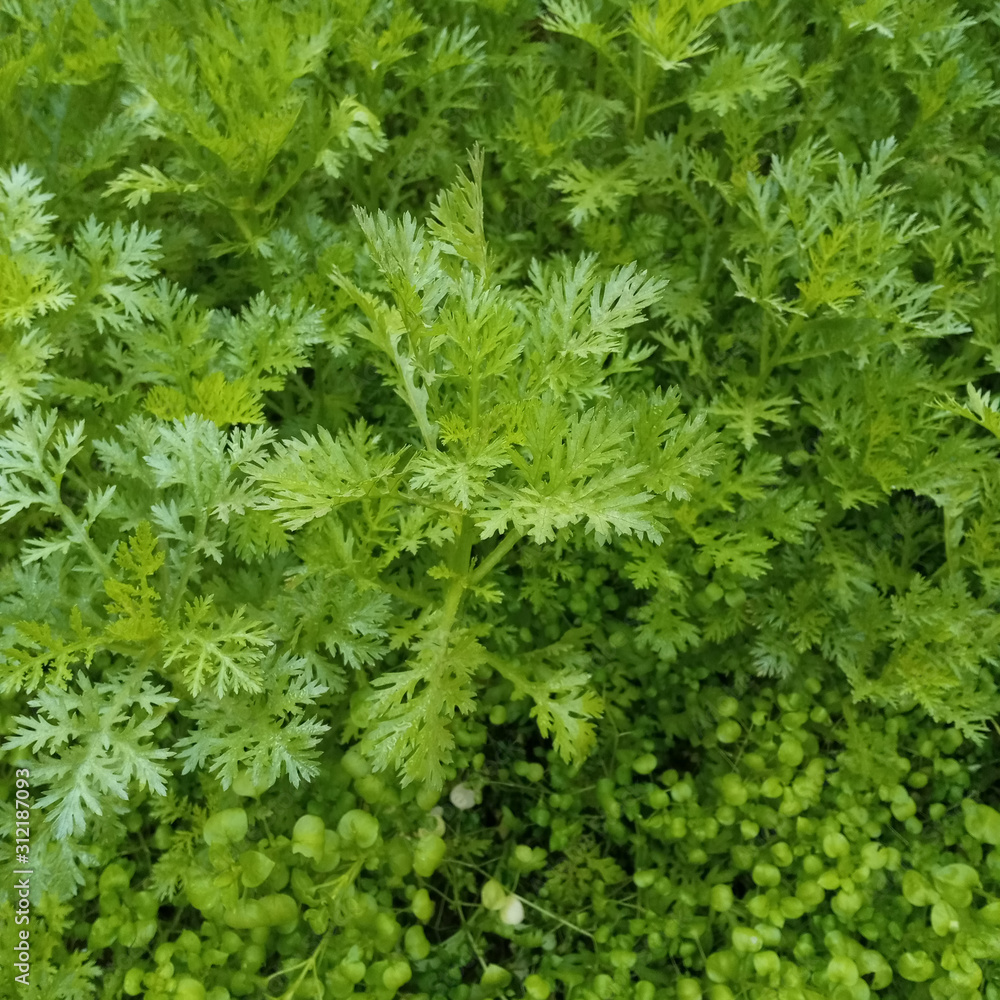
column 499, row 499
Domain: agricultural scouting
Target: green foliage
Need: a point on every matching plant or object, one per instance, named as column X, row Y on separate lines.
column 574, row 574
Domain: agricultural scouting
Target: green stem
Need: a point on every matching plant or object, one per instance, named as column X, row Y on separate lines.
column 638, row 86
column 403, row 593
column 764, row 369
column 410, row 388
column 794, row 359
column 239, row 217
column 459, row 565
column 422, row 501
column 307, row 966
column 556, row 917
column 534, row 906
column 342, row 881
column 80, row 533
column 188, row 568
column 654, row 109
column 268, row 204
column 769, row 363
column 949, row 548
column 489, row 563
column 474, row 394
column 791, row 331
column 706, row 256
column 466, row 927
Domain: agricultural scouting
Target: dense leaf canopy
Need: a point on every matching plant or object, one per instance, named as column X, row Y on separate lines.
column 500, row 499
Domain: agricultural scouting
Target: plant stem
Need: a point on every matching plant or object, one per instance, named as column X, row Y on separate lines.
column 189, row 565
column 768, row 362
column 403, row 593
column 466, row 928
column 950, row 522
column 638, row 87
column 81, row 534
column 556, row 917
column 502, row 548
column 404, row 368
